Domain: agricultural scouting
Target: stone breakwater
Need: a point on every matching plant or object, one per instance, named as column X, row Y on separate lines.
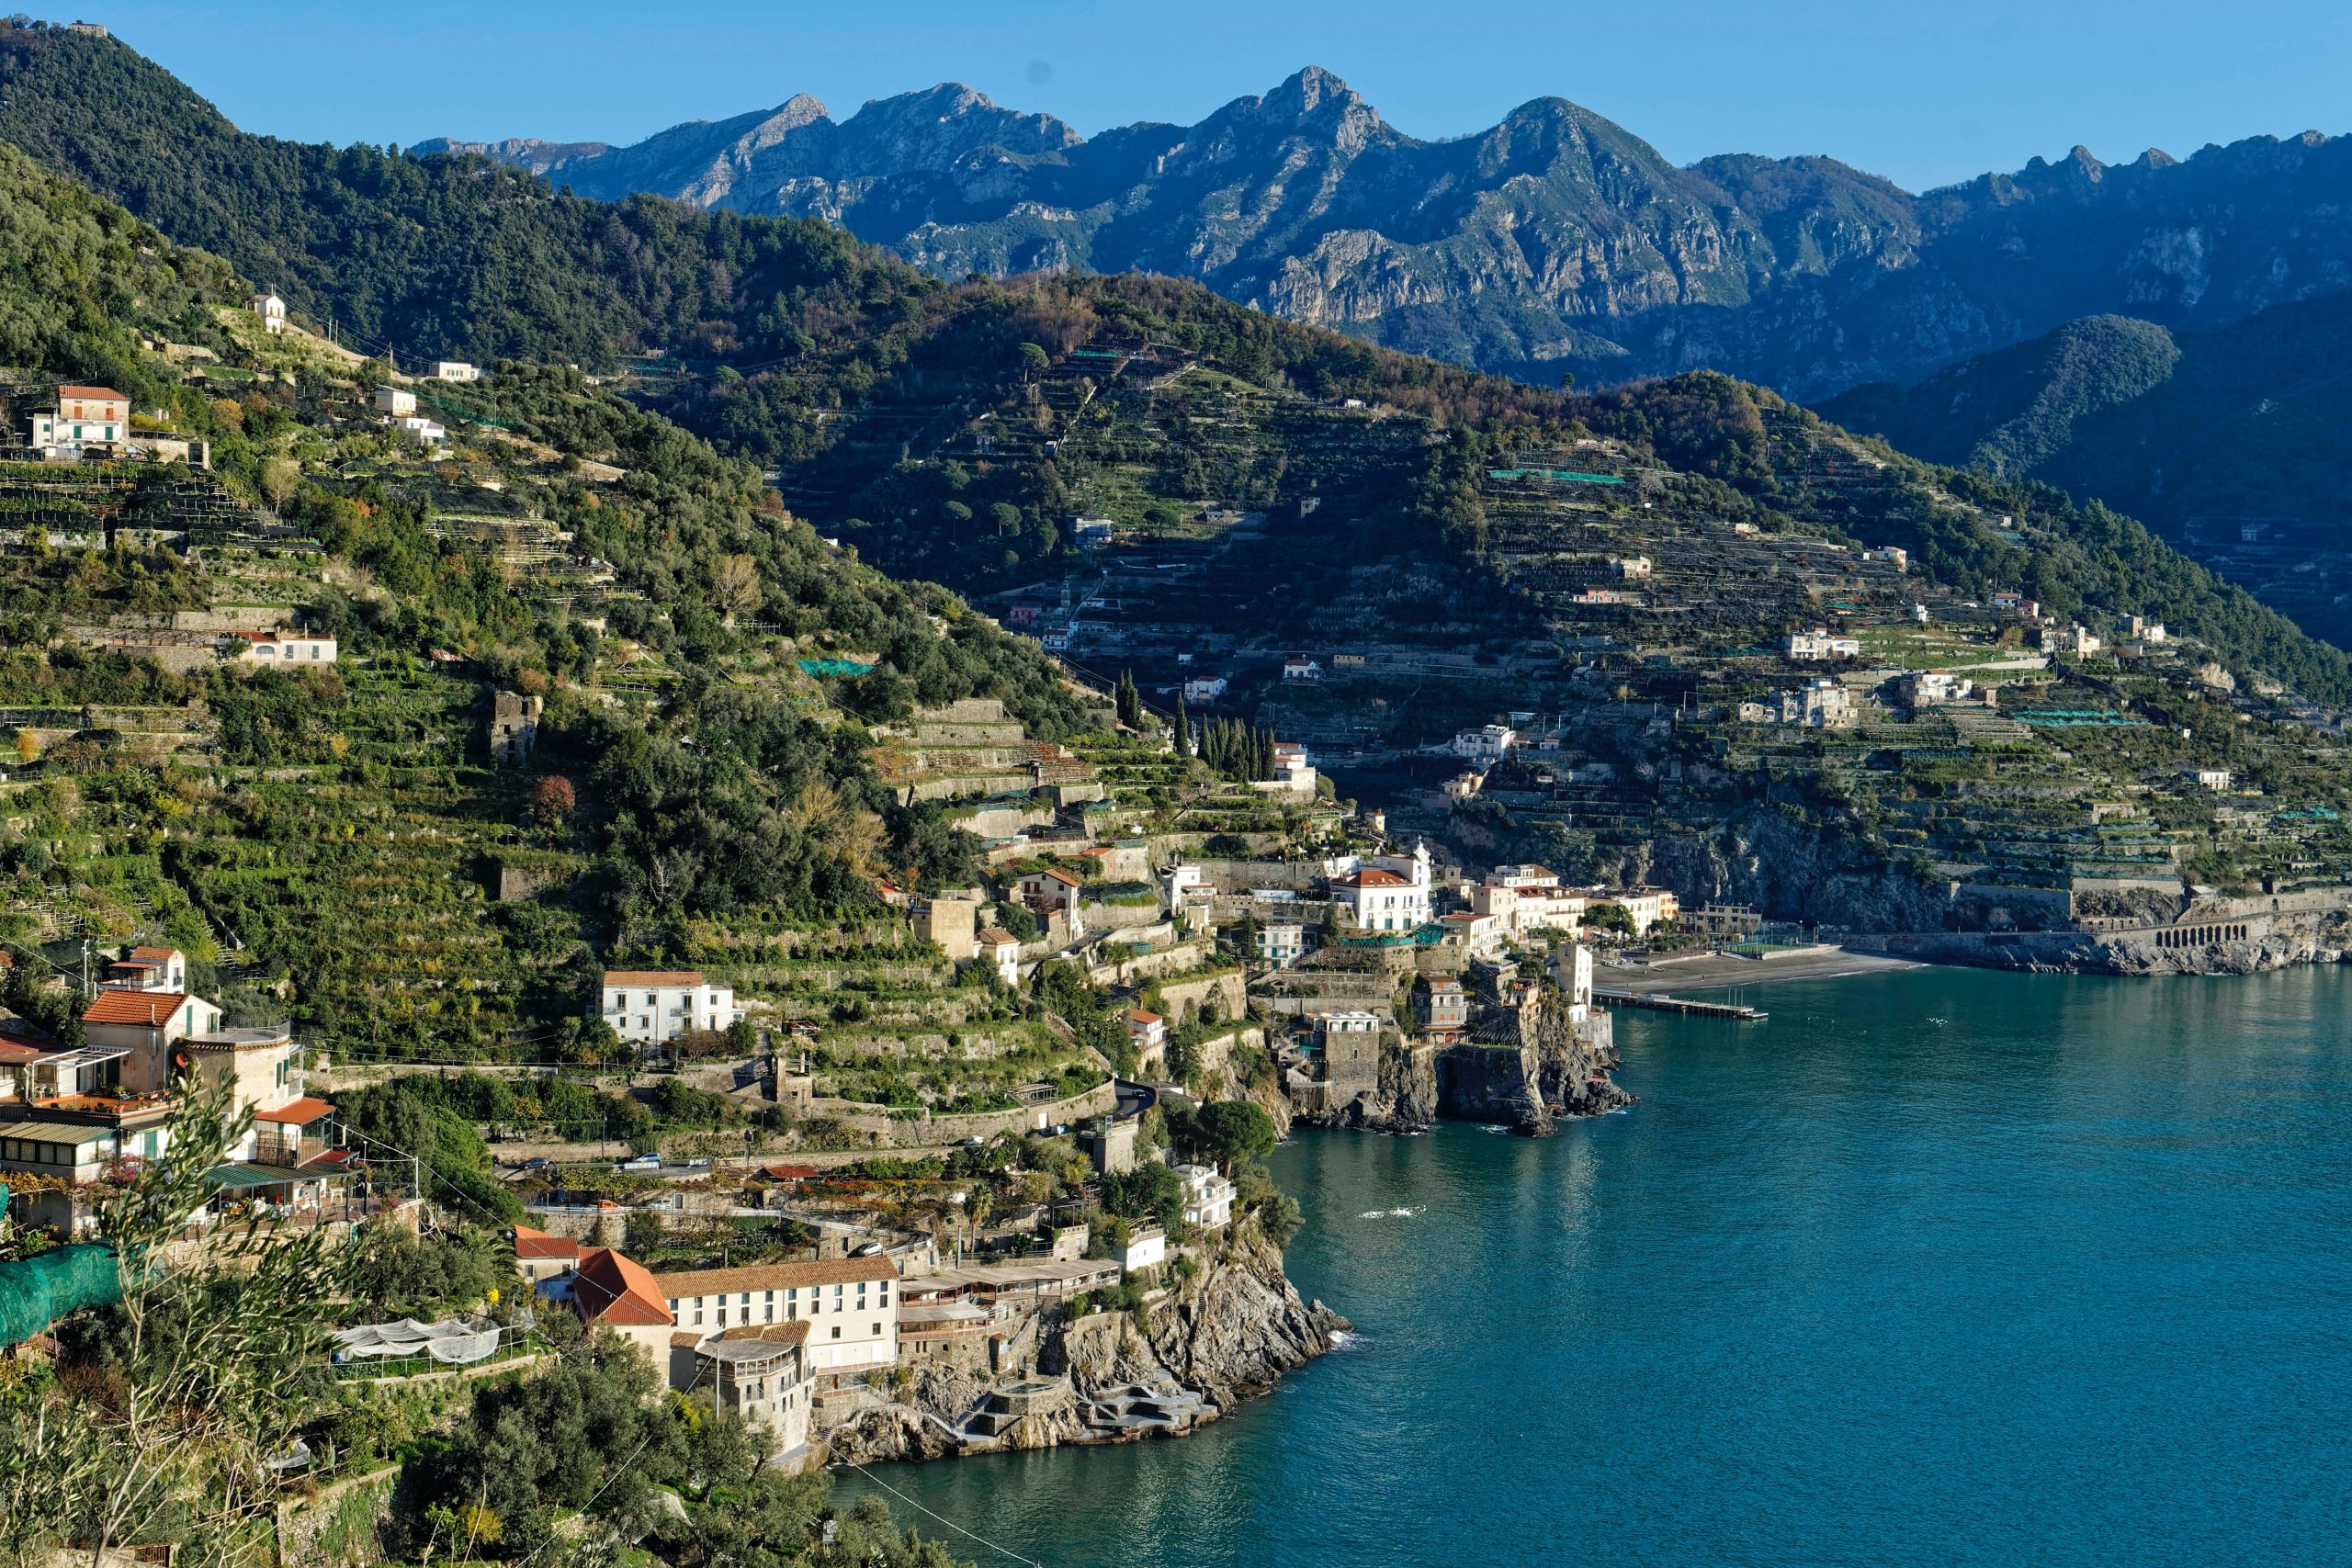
column 2242, row 936
column 1224, row 1335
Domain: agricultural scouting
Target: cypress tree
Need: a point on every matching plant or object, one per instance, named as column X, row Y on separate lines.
column 1183, row 727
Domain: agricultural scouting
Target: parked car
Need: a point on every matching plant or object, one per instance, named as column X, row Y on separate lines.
column 537, row 1162
column 642, row 1162
column 700, row 1162
column 868, row 1250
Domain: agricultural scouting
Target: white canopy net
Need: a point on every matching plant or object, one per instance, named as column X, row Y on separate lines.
column 458, row 1340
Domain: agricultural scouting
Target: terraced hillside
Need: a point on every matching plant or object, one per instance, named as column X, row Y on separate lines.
column 588, row 694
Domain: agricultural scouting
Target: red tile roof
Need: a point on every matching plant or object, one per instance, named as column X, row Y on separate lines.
column 294, row 1112
column 1060, row 876
column 653, row 977
column 608, row 1288
column 92, row 394
column 151, row 1008
column 154, row 954
column 1137, row 1015
column 1375, row 877
column 530, row 1242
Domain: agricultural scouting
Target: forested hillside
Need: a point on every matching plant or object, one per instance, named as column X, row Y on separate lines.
column 2205, row 435
column 434, row 256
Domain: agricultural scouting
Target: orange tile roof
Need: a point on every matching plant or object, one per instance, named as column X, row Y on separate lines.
column 997, row 936
column 536, row 1244
column 1060, row 876
column 310, row 1107
column 1374, row 877
column 773, row 1277
column 92, row 394
column 653, row 977
column 608, row 1288
column 154, row 954
column 151, row 1007
column 1137, row 1015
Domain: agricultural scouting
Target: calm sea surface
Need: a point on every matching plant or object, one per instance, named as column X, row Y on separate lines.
column 1937, row 1266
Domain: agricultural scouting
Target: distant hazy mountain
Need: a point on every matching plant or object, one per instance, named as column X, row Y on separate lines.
column 1556, row 241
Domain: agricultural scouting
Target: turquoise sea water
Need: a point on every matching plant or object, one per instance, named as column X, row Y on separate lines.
column 1939, row 1267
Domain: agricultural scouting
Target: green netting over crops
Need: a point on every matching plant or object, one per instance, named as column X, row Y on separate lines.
column 36, row 1293
column 826, row 668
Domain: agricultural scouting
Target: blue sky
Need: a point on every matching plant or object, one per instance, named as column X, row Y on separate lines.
column 1922, row 93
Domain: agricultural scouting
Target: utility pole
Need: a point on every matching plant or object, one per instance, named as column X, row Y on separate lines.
column 86, row 989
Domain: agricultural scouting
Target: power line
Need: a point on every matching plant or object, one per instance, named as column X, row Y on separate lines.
column 951, row 1524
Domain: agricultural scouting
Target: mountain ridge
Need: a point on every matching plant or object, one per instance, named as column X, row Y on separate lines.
column 1554, row 241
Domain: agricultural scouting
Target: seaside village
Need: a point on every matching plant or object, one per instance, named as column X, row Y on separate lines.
column 998, row 1252
column 915, row 1180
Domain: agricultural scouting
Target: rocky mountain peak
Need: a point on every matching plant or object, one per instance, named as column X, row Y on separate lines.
column 929, row 130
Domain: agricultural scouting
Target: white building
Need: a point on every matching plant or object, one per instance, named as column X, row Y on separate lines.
column 2214, row 778
column 1001, row 950
column 148, row 969
column 762, row 1376
column 283, row 650
column 1926, row 688
column 1147, row 1247
column 1631, row 568
column 652, row 1007
column 1090, row 531
column 455, row 370
column 84, row 417
column 1524, row 876
column 1817, row 645
column 422, row 430
column 1281, row 943
column 1293, row 773
column 1572, row 966
column 1298, row 667
column 1647, row 907
column 395, row 400
column 850, row 1304
column 1204, row 688
column 1148, row 1032
column 1208, row 1197
column 1389, row 892
column 272, row 311
column 1488, row 743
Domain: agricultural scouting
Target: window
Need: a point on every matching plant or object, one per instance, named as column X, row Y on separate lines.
column 837, row 1331
column 877, row 1328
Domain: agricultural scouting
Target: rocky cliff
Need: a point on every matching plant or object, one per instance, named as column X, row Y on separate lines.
column 1555, row 1068
column 1212, row 1341
column 1404, row 1099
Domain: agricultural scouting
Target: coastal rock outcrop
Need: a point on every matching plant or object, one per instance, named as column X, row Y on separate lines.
column 1557, row 1066
column 1402, row 1098
column 1224, row 1335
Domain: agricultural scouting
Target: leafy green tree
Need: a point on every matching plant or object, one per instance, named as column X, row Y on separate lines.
column 173, row 1398
column 1224, row 1133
